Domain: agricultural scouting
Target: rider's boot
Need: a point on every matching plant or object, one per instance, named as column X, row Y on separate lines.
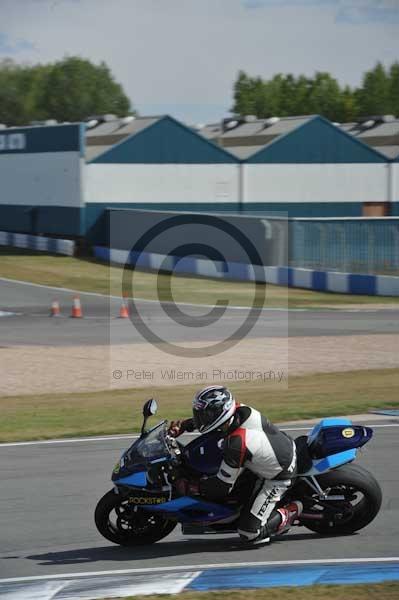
column 279, row 523
column 289, row 514
column 261, row 538
column 252, row 538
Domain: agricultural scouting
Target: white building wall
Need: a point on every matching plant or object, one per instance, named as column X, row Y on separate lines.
column 160, row 183
column 41, row 179
column 317, row 183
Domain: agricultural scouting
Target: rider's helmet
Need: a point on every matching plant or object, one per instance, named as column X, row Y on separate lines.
column 213, row 407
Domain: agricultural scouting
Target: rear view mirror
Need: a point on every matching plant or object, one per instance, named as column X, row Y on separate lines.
column 150, row 408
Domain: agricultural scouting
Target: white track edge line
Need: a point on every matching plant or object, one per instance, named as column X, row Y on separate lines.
column 110, row 438
column 182, row 568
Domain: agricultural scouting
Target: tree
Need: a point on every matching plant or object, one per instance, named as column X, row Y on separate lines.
column 286, row 95
column 244, row 95
column 69, row 90
column 302, row 90
column 394, row 89
column 11, row 93
column 349, row 105
column 76, row 89
column 324, row 96
column 289, row 96
column 374, row 95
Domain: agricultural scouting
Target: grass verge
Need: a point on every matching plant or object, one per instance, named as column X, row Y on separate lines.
column 111, row 412
column 379, row 591
column 92, row 276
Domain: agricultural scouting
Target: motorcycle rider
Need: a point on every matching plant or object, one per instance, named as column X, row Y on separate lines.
column 251, row 442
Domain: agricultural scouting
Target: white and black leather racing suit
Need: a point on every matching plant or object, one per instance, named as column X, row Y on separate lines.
column 253, row 442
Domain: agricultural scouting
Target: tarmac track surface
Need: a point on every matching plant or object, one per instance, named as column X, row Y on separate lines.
column 31, row 324
column 49, row 491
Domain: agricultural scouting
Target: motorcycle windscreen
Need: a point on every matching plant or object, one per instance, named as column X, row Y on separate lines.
column 331, row 440
column 142, row 453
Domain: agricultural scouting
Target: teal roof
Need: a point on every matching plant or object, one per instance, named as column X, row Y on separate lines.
column 165, row 141
column 317, row 141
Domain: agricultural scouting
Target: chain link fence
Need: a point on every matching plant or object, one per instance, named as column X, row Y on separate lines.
column 357, row 245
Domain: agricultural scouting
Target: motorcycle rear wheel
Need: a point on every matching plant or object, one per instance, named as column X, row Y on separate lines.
column 128, row 525
column 356, row 482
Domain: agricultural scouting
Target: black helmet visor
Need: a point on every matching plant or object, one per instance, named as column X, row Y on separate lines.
column 204, row 417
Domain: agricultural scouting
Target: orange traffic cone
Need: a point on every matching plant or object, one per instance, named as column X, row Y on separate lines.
column 123, row 311
column 55, row 309
column 76, row 308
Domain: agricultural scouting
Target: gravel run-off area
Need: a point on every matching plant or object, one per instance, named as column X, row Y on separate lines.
column 43, row 369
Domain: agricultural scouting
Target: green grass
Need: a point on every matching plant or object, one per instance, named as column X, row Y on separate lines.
column 49, row 416
column 380, row 591
column 91, row 276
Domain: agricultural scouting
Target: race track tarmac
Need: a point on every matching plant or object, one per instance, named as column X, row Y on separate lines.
column 31, row 324
column 49, row 491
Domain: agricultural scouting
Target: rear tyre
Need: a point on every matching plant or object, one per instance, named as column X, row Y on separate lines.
column 362, row 504
column 129, row 525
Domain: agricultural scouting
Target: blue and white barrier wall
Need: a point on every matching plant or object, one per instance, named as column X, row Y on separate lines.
column 322, row 281
column 37, row 242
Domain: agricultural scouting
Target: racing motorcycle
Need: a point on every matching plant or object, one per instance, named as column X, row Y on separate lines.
column 146, row 502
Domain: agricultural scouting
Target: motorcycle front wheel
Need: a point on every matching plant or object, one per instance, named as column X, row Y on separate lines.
column 127, row 525
column 362, row 500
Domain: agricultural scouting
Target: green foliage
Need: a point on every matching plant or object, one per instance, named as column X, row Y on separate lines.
column 394, row 88
column 374, row 95
column 68, row 90
column 287, row 95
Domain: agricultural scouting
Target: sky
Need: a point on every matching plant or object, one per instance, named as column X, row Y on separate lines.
column 181, row 57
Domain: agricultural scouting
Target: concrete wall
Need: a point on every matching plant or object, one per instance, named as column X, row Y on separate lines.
column 325, row 281
column 229, row 238
column 37, row 243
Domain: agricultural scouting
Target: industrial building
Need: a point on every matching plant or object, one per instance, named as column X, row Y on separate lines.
column 379, row 132
column 161, row 164
column 61, row 179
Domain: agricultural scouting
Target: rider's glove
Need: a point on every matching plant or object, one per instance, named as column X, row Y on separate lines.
column 175, row 428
